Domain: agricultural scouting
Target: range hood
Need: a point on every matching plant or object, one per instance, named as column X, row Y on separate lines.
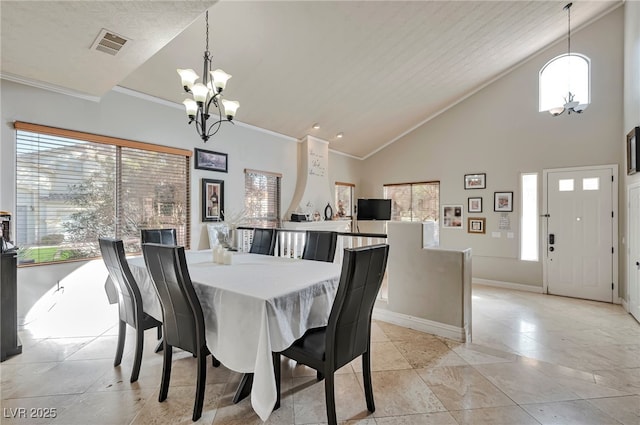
column 313, row 191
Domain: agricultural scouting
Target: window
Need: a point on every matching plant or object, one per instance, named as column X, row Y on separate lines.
column 561, row 75
column 529, row 220
column 591, row 183
column 262, row 198
column 344, row 199
column 73, row 188
column 414, row 201
column 565, row 185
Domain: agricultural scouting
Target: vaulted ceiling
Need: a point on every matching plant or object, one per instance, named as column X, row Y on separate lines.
column 372, row 70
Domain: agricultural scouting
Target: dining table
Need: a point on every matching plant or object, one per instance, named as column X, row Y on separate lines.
column 257, row 305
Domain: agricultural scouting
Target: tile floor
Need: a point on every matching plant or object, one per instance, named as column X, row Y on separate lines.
column 535, row 359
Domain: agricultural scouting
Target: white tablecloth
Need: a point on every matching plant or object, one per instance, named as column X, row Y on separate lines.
column 257, row 305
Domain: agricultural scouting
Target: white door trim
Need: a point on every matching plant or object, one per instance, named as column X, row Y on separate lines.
column 614, row 223
column 625, row 302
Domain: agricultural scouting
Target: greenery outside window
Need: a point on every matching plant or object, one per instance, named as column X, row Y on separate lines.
column 73, row 187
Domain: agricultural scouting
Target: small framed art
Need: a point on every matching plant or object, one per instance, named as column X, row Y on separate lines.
column 474, row 205
column 209, row 160
column 633, row 151
column 475, row 181
column 503, row 201
column 476, row 225
column 212, row 199
column 452, row 216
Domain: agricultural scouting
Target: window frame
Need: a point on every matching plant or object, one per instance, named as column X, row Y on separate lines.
column 351, row 187
column 119, row 144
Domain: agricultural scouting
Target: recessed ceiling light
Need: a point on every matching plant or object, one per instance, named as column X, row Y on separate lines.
column 315, row 126
column 339, row 135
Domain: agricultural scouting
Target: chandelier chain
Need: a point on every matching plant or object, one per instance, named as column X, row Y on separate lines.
column 207, row 22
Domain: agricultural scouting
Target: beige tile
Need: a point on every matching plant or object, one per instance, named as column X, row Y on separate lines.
column 507, row 415
column 104, row 408
column 398, row 333
column 626, row 380
column 462, row 387
column 35, row 410
column 402, row 392
column 310, row 402
column 524, row 384
column 575, row 412
column 384, row 356
column 64, row 378
column 103, row 347
column 377, row 334
column 474, row 354
column 50, row 350
column 625, row 410
column 439, row 418
column 428, row 353
column 178, row 407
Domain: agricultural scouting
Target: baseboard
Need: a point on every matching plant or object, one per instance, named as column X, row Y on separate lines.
column 423, row 325
column 509, row 285
column 625, row 304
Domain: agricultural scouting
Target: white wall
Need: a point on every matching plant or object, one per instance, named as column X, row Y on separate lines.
column 631, row 114
column 124, row 116
column 499, row 131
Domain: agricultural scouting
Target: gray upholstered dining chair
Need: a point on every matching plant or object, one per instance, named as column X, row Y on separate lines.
column 181, row 313
column 348, row 332
column 130, row 308
column 264, row 241
column 161, row 236
column 320, row 245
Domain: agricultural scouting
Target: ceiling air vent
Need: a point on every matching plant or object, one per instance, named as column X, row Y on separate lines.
column 109, row 42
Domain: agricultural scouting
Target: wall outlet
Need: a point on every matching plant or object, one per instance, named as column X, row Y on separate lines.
column 496, row 234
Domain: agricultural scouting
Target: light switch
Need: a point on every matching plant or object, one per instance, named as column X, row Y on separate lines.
column 495, row 234
column 509, row 235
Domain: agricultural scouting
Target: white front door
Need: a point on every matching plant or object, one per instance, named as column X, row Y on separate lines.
column 580, row 211
column 634, row 251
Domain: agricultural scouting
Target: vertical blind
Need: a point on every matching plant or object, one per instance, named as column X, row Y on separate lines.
column 262, row 198
column 414, row 201
column 72, row 188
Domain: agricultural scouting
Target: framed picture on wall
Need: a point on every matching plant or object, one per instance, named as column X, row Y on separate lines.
column 452, row 216
column 503, row 201
column 209, row 160
column 633, row 151
column 212, row 199
column 475, row 181
column 474, row 205
column 476, row 225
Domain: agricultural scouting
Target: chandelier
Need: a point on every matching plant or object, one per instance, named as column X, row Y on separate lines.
column 581, row 74
column 207, row 96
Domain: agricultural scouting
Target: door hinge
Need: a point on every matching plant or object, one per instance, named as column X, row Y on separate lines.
column 612, row 250
column 612, row 178
column 612, row 287
column 611, row 214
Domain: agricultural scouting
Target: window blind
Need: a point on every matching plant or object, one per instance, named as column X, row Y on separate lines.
column 262, row 198
column 71, row 191
column 414, row 201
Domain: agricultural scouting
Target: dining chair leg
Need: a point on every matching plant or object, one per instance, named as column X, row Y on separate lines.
column 319, row 376
column 214, row 362
column 138, row 355
column 200, row 384
column 122, row 333
column 159, row 331
column 278, row 374
column 366, row 376
column 330, row 398
column 166, row 371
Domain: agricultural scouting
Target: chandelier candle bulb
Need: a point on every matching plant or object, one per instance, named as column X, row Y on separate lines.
column 207, row 94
